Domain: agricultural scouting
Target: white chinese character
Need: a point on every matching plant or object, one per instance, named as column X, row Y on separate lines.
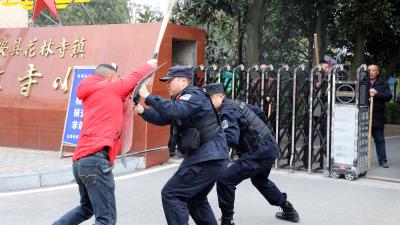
column 76, row 112
column 80, row 125
column 74, row 125
column 78, row 101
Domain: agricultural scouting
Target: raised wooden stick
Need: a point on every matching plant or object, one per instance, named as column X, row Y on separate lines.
column 371, row 112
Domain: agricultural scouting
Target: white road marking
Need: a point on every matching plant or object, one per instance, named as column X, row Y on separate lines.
column 124, row 177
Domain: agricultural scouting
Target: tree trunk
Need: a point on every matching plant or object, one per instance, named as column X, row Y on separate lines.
column 358, row 52
column 321, row 31
column 240, row 39
column 254, row 22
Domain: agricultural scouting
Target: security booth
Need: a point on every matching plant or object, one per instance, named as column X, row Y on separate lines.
column 350, row 126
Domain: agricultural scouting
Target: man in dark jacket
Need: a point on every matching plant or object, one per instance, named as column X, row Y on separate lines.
column 246, row 131
column 198, row 135
column 379, row 90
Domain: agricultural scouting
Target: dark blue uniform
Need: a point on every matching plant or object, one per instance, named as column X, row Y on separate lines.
column 255, row 159
column 186, row 192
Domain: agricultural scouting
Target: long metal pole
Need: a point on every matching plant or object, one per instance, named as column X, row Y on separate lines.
column 87, row 13
column 331, row 79
column 262, row 87
column 310, row 116
column 293, row 145
column 283, row 68
column 49, row 18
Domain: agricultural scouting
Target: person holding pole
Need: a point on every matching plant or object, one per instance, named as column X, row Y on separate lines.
column 103, row 97
column 380, row 94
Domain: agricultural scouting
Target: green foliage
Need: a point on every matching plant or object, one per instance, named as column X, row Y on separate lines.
column 147, row 16
column 381, row 21
column 101, row 11
column 221, row 28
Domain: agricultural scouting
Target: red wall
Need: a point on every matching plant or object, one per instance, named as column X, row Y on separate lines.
column 37, row 121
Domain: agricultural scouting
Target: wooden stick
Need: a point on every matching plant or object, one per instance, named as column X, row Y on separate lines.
column 316, row 50
column 164, row 24
column 371, row 108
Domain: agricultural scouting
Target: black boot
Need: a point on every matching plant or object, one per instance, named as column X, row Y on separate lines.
column 227, row 221
column 288, row 213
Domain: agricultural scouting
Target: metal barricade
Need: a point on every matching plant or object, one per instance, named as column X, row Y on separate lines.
column 253, row 86
column 238, row 83
column 198, row 80
column 284, row 114
column 211, row 74
column 300, row 107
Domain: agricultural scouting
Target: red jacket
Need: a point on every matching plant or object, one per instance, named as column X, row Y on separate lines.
column 103, row 112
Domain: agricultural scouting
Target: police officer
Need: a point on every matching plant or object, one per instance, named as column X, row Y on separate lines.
column 196, row 133
column 246, row 131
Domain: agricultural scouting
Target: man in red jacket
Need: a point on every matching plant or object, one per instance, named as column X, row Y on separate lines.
column 103, row 95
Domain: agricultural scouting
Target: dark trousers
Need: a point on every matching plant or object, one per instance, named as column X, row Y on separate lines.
column 96, row 189
column 186, row 193
column 379, row 140
column 258, row 172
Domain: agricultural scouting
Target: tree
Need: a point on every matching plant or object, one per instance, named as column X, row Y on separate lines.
column 371, row 29
column 101, row 11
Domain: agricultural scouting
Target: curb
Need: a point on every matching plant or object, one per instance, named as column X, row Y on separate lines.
column 62, row 175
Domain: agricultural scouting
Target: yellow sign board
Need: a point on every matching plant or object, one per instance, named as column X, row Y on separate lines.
column 28, row 4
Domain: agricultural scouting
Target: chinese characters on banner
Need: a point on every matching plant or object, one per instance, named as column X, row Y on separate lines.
column 49, row 48
column 28, row 80
column 73, row 122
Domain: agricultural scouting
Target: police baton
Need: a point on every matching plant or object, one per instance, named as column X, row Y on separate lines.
column 371, row 112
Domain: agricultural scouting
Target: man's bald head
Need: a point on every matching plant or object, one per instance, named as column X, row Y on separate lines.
column 373, row 72
column 107, row 71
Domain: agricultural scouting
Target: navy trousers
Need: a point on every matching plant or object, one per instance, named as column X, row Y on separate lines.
column 258, row 172
column 379, row 140
column 186, row 193
column 96, row 189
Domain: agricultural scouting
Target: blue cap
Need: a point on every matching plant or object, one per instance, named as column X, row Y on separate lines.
column 214, row 88
column 179, row 71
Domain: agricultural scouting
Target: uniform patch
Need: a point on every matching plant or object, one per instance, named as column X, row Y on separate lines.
column 224, row 124
column 185, row 97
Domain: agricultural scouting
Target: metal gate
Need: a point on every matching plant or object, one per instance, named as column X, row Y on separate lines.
column 296, row 102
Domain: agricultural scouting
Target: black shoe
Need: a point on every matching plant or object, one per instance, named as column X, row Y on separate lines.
column 383, row 164
column 227, row 221
column 288, row 213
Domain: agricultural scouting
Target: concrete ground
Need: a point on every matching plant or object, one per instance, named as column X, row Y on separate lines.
column 25, row 169
column 318, row 200
column 393, row 156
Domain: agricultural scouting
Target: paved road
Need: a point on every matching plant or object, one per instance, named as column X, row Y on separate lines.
column 319, row 201
column 393, row 155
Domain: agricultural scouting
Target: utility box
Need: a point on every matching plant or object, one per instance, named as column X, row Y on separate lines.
column 350, row 126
